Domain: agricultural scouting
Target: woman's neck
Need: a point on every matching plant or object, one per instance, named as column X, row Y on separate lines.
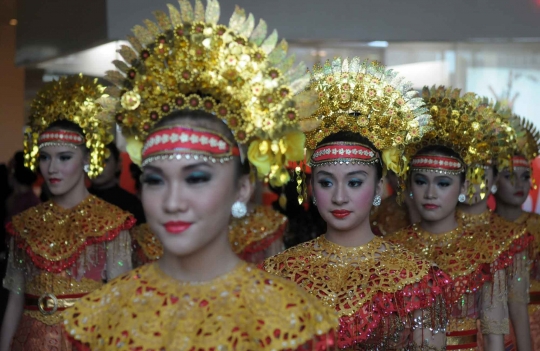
column 73, row 197
column 442, row 226
column 211, row 261
column 357, row 236
column 508, row 212
column 476, row 208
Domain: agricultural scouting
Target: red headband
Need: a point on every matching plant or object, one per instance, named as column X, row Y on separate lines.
column 439, row 164
column 60, row 137
column 176, row 142
column 520, row 162
column 343, row 152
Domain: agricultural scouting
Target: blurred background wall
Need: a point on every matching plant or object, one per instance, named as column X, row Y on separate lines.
column 491, row 47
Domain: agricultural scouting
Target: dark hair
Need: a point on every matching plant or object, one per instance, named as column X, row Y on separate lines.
column 442, row 151
column 68, row 125
column 21, row 173
column 351, row 137
column 114, row 151
column 205, row 120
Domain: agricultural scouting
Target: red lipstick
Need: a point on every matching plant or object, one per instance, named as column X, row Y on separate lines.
column 430, row 206
column 341, row 213
column 519, row 193
column 176, row 227
column 54, row 180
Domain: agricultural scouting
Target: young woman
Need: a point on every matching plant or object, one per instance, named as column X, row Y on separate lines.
column 386, row 296
column 65, row 248
column 199, row 295
column 499, row 142
column 475, row 257
column 513, row 188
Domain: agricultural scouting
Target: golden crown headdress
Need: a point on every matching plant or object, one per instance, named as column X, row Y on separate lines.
column 527, row 137
column 366, row 98
column 78, row 99
column 463, row 123
column 238, row 73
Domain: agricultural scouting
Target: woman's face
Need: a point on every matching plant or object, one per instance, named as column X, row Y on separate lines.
column 62, row 168
column 435, row 195
column 345, row 193
column 513, row 189
column 188, row 202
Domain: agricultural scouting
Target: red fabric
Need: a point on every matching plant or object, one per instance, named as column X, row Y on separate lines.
column 62, row 136
column 369, row 318
column 342, row 150
column 436, row 162
column 192, row 140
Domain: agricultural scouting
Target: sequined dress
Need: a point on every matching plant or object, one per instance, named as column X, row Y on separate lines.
column 476, row 259
column 532, row 223
column 377, row 289
column 59, row 255
column 261, row 230
column 146, row 246
column 245, row 309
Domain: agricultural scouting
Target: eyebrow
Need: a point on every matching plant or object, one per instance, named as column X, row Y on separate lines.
column 348, row 174
column 186, row 168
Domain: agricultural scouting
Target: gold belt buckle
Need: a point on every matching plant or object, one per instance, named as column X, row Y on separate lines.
column 47, row 300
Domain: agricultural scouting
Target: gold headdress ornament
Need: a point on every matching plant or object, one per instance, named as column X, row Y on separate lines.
column 365, row 98
column 189, row 61
column 527, row 137
column 462, row 123
column 527, row 144
column 77, row 99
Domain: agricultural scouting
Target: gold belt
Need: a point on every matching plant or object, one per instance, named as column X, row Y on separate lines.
column 49, row 303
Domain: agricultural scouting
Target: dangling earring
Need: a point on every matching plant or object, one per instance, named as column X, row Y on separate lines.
column 493, row 189
column 411, row 195
column 86, row 168
column 238, row 209
column 314, row 201
column 377, row 200
column 462, row 198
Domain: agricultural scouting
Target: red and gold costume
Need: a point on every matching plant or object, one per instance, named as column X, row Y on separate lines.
column 475, row 258
column 525, row 151
column 384, row 294
column 59, row 255
column 378, row 289
column 212, row 315
column 258, row 235
column 146, row 246
column 188, row 61
column 477, row 253
column 531, row 221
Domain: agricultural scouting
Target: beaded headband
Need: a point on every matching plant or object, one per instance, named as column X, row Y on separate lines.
column 464, row 124
column 187, row 61
column 343, row 153
column 176, row 142
column 520, row 162
column 60, row 138
column 367, row 99
column 77, row 99
column 438, row 164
